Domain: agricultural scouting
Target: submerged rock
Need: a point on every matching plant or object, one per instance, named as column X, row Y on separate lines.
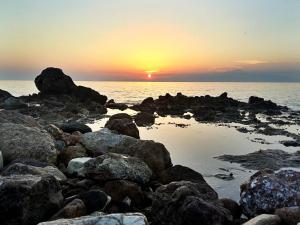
column 262, row 159
column 18, row 141
column 267, row 191
column 111, row 166
column 109, row 219
column 123, row 124
column 28, row 199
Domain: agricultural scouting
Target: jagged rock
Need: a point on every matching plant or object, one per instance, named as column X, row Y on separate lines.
column 75, row 208
column 144, row 119
column 267, row 191
column 109, row 219
column 22, row 169
column 75, row 165
column 289, row 215
column 28, row 199
column 18, row 141
column 11, row 103
column 123, row 124
column 154, row 154
column 188, row 203
column 264, row 219
column 111, row 166
column 73, row 126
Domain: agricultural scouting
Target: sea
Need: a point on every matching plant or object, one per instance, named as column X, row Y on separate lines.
column 194, row 144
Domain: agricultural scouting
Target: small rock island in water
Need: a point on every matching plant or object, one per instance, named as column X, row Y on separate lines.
column 56, row 171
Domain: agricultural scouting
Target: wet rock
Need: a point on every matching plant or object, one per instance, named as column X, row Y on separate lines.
column 113, row 105
column 267, row 191
column 291, row 143
column 143, row 119
column 7, row 116
column 223, row 176
column 54, row 81
column 28, row 199
column 289, row 215
column 23, row 169
column 271, row 158
column 13, row 103
column 75, row 208
column 179, row 173
column 187, row 203
column 121, row 189
column 109, row 219
column 18, row 141
column 264, row 219
column 111, row 166
column 72, row 152
column 154, row 154
column 75, row 165
column 123, row 125
column 74, row 126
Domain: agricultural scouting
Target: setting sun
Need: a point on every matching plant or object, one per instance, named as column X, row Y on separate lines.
column 149, row 75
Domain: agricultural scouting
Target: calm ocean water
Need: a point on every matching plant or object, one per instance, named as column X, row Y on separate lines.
column 130, row 92
column 196, row 145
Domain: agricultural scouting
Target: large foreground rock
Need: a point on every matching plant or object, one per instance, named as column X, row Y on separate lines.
column 18, row 141
column 113, row 166
column 264, row 219
column 27, row 199
column 188, row 203
column 7, row 116
column 154, row 154
column 110, row 219
column 267, row 191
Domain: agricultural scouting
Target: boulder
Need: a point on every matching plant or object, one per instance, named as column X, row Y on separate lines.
column 187, row 203
column 71, row 152
column 154, row 154
column 264, row 219
column 143, row 119
column 87, row 94
column 73, row 126
column 109, row 219
column 123, row 126
column 289, row 215
column 75, row 165
column 54, row 81
column 22, row 169
column 267, row 191
column 28, row 199
column 12, row 103
column 4, row 95
column 111, row 166
column 75, row 208
column 113, row 105
column 19, row 141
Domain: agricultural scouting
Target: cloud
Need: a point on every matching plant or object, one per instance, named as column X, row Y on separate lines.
column 251, row 62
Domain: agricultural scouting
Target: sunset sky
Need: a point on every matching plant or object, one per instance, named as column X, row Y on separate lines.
column 173, row 40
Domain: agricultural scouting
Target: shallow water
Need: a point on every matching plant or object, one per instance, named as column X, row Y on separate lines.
column 197, row 144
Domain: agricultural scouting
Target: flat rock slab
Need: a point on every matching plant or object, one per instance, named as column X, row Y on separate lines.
column 262, row 159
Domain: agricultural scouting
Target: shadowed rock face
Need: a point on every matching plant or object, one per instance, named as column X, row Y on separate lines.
column 267, row 191
column 53, row 81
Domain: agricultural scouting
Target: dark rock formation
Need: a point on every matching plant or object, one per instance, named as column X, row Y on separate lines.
column 267, row 191
column 144, row 119
column 123, row 124
column 73, row 126
column 113, row 105
column 4, row 95
column 262, row 159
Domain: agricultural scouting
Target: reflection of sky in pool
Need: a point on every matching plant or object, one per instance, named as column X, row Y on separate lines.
column 196, row 146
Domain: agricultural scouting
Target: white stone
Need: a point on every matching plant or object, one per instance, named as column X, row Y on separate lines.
column 75, row 165
column 109, row 219
column 264, row 219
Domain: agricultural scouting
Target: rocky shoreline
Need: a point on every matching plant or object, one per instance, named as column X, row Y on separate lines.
column 55, row 170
